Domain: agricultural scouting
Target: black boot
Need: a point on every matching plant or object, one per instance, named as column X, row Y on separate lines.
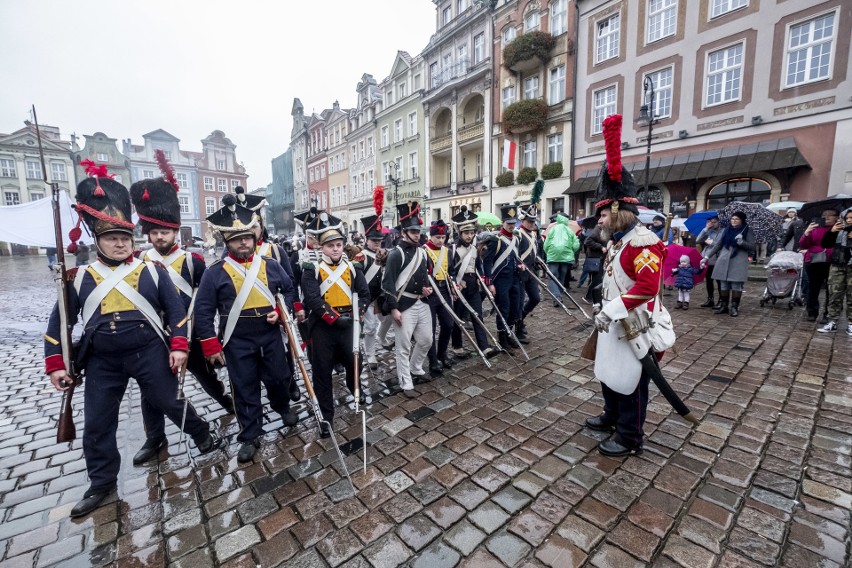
column 295, row 395
column 521, row 332
column 735, row 304
column 510, row 337
column 92, row 499
column 503, row 338
column 247, row 450
column 709, row 303
column 149, row 450
column 723, row 305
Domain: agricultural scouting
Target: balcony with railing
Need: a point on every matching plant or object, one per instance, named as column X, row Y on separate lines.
column 441, row 143
column 471, row 132
column 447, row 74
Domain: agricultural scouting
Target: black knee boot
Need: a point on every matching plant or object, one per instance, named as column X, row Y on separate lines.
column 723, row 304
column 735, row 304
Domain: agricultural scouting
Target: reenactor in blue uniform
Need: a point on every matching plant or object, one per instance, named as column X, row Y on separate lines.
column 374, row 257
column 328, row 287
column 501, row 265
column 158, row 209
column 242, row 288
column 438, row 256
column 466, row 265
column 405, row 290
column 121, row 299
column 529, row 294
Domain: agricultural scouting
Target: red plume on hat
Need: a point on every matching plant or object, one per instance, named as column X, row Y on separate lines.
column 96, row 171
column 616, row 183
column 612, row 143
column 166, row 168
column 379, row 199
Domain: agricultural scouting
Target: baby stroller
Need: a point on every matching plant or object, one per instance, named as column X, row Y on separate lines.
column 784, row 278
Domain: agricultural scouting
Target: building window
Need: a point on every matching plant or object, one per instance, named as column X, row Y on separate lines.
column 400, row 171
column 529, row 154
column 210, row 205
column 11, row 198
column 234, row 183
column 604, row 105
column 354, row 153
column 182, row 180
column 397, row 130
column 7, row 168
column 463, row 60
column 385, row 137
column 355, row 186
column 371, row 179
column 36, row 195
column 558, row 17
column 724, row 74
column 607, row 40
column 57, row 170
column 809, row 50
column 446, row 16
column 33, row 169
column 478, row 48
column 461, row 6
column 148, row 174
column 102, row 157
column 508, row 95
column 403, row 91
column 720, row 7
column 370, row 146
column 412, row 165
column 434, row 75
column 385, row 170
column 417, row 82
column 184, row 204
column 556, row 86
column 223, row 185
column 750, row 190
column 662, row 19
column 311, row 175
column 554, row 148
column 531, row 22
column 322, row 171
column 662, row 80
column 412, row 124
column 508, row 35
column 208, row 183
column 531, row 87
column 220, row 165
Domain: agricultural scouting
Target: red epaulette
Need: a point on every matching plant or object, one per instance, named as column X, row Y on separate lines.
column 197, row 256
column 158, row 263
column 138, row 253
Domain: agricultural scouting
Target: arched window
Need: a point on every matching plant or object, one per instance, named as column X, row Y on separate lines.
column 751, row 190
column 654, row 198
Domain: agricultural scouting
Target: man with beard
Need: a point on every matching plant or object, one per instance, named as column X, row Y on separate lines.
column 328, row 299
column 242, row 288
column 124, row 302
column 466, row 264
column 631, row 281
column 405, row 289
column 158, row 208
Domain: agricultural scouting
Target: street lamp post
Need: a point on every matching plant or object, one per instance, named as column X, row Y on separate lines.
column 395, row 180
column 647, row 118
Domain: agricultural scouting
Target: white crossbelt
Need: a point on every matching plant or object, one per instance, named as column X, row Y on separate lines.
column 504, row 256
column 442, row 257
column 464, row 266
column 114, row 280
column 405, row 276
column 250, row 282
column 374, row 268
column 177, row 279
column 532, row 245
column 335, row 276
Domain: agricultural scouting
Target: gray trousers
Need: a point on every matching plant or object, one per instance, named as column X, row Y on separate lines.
column 416, row 325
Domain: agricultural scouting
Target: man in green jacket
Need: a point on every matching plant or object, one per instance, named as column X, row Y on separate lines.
column 560, row 246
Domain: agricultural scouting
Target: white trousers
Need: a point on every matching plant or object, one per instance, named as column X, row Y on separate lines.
column 370, row 328
column 386, row 327
column 417, row 325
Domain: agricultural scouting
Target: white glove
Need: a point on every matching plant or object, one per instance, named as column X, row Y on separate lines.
column 602, row 322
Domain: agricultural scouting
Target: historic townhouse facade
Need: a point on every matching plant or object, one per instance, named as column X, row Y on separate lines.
column 362, row 144
column 751, row 99
column 101, row 149
column 299, row 147
column 280, row 195
column 218, row 173
column 336, row 129
column 316, row 160
column 400, row 133
column 533, row 66
column 143, row 165
column 457, row 104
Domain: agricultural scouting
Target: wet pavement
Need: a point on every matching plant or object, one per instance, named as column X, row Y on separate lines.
column 485, row 468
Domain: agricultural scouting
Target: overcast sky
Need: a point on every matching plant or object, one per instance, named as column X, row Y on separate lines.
column 127, row 67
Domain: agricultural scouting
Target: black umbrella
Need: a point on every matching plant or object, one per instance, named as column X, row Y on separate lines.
column 812, row 210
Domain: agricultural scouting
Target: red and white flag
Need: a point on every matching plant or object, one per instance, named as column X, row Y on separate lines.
column 509, row 151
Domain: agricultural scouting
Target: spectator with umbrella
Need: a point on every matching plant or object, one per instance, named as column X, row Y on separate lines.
column 731, row 251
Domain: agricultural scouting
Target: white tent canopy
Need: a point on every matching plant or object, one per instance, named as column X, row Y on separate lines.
column 31, row 224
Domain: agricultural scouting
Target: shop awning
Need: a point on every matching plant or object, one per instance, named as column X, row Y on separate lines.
column 744, row 159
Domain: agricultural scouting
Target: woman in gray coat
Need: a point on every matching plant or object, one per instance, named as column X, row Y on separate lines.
column 731, row 251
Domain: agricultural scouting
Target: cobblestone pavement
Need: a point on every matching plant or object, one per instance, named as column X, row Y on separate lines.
column 485, row 468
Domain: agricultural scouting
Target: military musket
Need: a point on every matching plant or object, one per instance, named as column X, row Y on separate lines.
column 506, row 327
column 458, row 321
column 356, row 353
column 66, row 431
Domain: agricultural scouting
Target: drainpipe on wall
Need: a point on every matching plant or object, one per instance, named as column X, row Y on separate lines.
column 574, row 97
